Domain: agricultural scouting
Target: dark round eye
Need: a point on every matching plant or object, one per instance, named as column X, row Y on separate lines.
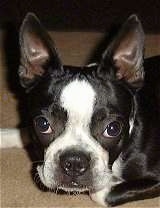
column 42, row 125
column 113, row 129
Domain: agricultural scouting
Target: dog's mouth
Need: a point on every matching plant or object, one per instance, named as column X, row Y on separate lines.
column 72, row 184
column 73, row 187
column 61, row 183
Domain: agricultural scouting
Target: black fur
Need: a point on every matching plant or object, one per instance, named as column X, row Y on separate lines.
column 141, row 152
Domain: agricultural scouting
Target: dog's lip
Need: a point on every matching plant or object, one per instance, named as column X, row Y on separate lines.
column 73, row 185
column 74, row 188
column 70, row 182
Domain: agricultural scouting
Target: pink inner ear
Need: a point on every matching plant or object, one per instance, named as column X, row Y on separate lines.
column 30, row 71
column 36, row 52
column 125, row 58
column 36, row 55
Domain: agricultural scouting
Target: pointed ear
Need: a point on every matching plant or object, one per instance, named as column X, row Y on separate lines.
column 37, row 51
column 126, row 53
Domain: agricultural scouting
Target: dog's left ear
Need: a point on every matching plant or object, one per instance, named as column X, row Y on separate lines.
column 37, row 52
column 126, row 53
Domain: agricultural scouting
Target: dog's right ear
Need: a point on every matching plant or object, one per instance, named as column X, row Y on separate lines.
column 37, row 52
column 125, row 54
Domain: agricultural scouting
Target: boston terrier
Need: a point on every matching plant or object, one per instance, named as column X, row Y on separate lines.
column 98, row 126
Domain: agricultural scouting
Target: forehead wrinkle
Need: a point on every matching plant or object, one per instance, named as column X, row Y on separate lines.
column 78, row 99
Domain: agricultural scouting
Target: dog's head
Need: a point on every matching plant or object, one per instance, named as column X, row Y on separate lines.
column 81, row 115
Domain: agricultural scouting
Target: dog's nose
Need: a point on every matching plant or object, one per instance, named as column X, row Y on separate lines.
column 74, row 163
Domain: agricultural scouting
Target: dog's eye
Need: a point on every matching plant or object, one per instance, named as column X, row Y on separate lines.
column 113, row 129
column 42, row 125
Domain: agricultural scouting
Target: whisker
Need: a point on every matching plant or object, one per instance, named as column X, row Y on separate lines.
column 56, row 191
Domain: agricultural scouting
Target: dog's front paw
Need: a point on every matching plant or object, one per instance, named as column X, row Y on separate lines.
column 110, row 200
column 116, row 196
column 106, row 197
column 100, row 196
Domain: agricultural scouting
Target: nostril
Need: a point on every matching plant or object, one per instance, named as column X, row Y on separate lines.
column 74, row 163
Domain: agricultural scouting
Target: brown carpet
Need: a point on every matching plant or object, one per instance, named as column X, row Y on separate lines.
column 17, row 187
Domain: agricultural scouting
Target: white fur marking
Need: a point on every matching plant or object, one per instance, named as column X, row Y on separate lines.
column 92, row 64
column 100, row 196
column 117, row 167
column 78, row 98
column 131, row 125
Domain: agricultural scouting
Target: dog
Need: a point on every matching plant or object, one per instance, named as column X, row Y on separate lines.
column 97, row 126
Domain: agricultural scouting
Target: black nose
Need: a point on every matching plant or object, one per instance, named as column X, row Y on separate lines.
column 74, row 163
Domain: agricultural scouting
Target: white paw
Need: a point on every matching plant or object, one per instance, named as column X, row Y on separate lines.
column 100, row 196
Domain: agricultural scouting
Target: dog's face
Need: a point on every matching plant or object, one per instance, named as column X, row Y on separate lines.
column 81, row 115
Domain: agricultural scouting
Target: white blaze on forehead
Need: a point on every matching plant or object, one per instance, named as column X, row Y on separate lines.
column 78, row 99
